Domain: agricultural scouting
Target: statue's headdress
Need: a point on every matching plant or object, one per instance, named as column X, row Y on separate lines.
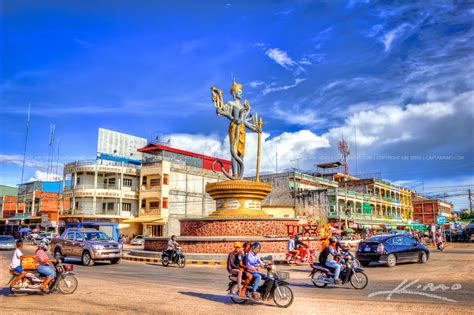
column 235, row 87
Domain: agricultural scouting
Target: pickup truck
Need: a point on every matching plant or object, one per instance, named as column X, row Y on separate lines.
column 89, row 245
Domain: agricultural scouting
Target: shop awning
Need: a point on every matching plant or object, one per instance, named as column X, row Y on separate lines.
column 18, row 217
column 146, row 219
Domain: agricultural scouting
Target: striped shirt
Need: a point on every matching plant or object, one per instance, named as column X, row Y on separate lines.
column 41, row 256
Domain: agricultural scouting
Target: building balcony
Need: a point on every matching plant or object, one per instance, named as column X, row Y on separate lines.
column 365, row 217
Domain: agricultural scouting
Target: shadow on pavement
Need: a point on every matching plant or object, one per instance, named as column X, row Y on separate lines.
column 308, row 285
column 208, row 296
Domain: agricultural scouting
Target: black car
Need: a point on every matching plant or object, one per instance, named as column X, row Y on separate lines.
column 391, row 249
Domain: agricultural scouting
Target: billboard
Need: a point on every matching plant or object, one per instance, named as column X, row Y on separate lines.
column 120, row 144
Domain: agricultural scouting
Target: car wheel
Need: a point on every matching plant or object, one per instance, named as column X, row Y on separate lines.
column 423, row 258
column 58, row 256
column 87, row 259
column 391, row 260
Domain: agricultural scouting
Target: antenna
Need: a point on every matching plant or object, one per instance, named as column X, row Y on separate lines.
column 276, row 160
column 57, row 160
column 49, row 168
column 355, row 149
column 26, row 142
column 344, row 149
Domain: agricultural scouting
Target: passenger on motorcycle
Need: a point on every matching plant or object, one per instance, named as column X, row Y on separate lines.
column 303, row 248
column 254, row 262
column 172, row 246
column 15, row 265
column 234, row 267
column 42, row 265
column 331, row 251
column 293, row 252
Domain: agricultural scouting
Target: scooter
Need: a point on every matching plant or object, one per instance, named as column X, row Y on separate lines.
column 321, row 275
column 178, row 258
column 275, row 287
column 65, row 281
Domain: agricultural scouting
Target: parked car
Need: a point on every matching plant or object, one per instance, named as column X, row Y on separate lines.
column 391, row 250
column 349, row 241
column 89, row 245
column 7, row 242
column 138, row 240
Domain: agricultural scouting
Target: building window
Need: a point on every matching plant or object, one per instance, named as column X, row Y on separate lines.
column 157, row 230
column 127, row 182
column 108, row 206
column 78, row 180
column 76, row 205
column 154, row 205
column 143, row 204
column 154, row 182
column 165, row 203
column 126, row 206
column 165, row 179
column 144, row 180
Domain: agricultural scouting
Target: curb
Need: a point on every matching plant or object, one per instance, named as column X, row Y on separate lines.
column 190, row 262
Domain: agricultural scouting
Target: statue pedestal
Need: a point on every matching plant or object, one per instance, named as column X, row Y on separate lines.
column 238, row 198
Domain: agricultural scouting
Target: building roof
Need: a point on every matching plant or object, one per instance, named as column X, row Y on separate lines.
column 8, row 191
column 158, row 147
column 329, row 165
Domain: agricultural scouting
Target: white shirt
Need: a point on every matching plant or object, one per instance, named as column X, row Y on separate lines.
column 16, row 259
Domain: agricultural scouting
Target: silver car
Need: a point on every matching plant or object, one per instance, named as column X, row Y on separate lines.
column 138, row 240
column 7, row 242
column 87, row 244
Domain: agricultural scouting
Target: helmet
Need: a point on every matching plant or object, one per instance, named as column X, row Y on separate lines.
column 43, row 245
column 332, row 239
column 297, row 236
column 256, row 245
column 237, row 244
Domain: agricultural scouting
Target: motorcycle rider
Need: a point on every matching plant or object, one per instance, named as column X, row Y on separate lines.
column 172, row 246
column 293, row 252
column 254, row 262
column 42, row 265
column 16, row 263
column 234, row 267
column 331, row 251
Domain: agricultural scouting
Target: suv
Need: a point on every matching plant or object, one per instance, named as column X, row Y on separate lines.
column 87, row 244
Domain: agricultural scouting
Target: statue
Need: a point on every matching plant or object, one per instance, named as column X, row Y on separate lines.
column 238, row 114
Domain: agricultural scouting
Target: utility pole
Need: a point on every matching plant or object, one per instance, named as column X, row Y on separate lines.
column 276, row 160
column 469, row 194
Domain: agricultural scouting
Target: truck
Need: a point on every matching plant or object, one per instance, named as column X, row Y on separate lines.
column 89, row 245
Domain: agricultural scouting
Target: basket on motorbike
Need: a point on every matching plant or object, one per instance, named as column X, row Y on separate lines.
column 283, row 275
column 28, row 262
column 68, row 267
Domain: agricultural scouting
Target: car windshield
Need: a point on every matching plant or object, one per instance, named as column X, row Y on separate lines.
column 6, row 238
column 96, row 236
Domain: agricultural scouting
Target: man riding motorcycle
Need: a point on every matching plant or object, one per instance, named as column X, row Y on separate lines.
column 42, row 265
column 254, row 262
column 234, row 267
column 172, row 246
column 331, row 250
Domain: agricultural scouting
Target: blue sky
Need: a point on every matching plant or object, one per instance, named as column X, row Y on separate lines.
column 395, row 75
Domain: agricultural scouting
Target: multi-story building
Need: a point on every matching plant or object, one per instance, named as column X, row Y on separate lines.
column 9, row 207
column 101, row 190
column 426, row 209
column 305, row 193
column 173, row 186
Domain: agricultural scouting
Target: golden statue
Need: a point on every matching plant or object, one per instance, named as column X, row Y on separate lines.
column 238, row 115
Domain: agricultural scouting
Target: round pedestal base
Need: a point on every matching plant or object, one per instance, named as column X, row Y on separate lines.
column 238, row 198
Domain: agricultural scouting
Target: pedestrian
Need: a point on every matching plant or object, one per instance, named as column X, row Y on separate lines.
column 121, row 240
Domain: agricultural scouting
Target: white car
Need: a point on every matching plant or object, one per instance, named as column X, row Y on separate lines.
column 349, row 241
column 138, row 240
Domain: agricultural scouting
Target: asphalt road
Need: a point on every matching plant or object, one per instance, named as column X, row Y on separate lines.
column 135, row 287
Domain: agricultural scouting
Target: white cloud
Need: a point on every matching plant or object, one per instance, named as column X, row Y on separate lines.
column 306, row 118
column 291, row 145
column 44, row 176
column 388, row 38
column 255, row 83
column 273, row 88
column 280, row 57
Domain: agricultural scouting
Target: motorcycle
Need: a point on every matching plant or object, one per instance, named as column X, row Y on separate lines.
column 310, row 258
column 356, row 263
column 178, row 258
column 275, row 287
column 65, row 282
column 321, row 275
